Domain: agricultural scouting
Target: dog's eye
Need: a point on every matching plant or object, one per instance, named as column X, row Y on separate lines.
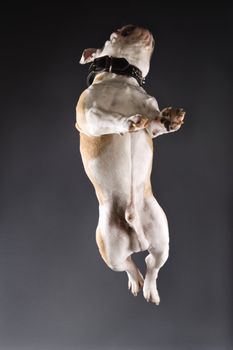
column 127, row 30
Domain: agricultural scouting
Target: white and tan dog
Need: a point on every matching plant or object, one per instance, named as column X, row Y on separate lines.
column 117, row 120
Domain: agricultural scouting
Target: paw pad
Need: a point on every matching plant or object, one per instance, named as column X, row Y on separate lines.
column 172, row 118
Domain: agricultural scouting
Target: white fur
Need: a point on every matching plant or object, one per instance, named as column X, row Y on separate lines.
column 130, row 219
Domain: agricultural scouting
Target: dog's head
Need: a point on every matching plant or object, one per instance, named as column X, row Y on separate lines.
column 134, row 43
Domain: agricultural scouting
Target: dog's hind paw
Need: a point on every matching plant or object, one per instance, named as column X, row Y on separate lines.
column 135, row 285
column 151, row 294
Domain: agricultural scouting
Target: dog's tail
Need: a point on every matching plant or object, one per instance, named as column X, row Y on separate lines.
column 132, row 218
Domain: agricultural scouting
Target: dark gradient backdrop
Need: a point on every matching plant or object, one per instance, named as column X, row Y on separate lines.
column 55, row 291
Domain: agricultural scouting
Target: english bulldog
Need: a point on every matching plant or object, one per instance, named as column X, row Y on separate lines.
column 117, row 121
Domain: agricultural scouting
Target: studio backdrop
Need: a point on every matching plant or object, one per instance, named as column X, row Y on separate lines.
column 56, row 293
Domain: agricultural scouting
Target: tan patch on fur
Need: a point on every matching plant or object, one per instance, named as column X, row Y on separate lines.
column 99, row 78
column 80, row 112
column 99, row 192
column 150, row 142
column 101, row 245
column 91, row 147
column 147, row 187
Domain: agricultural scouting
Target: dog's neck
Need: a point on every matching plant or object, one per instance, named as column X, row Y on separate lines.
column 117, row 65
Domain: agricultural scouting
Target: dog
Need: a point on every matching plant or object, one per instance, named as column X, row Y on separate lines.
column 117, row 121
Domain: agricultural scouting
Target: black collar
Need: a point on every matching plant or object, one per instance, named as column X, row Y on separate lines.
column 114, row 65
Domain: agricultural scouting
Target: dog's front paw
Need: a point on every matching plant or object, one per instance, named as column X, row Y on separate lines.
column 137, row 122
column 172, row 118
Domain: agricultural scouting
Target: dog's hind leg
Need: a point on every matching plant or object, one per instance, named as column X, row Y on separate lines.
column 154, row 261
column 156, row 231
column 114, row 246
column 135, row 278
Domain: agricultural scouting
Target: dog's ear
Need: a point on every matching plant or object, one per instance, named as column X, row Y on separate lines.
column 89, row 55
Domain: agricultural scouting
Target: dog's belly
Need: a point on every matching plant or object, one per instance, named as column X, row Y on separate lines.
column 119, row 166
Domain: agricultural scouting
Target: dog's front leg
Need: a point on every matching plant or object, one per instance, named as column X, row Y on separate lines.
column 97, row 122
column 168, row 120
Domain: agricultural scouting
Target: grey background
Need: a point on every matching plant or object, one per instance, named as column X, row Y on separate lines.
column 55, row 291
